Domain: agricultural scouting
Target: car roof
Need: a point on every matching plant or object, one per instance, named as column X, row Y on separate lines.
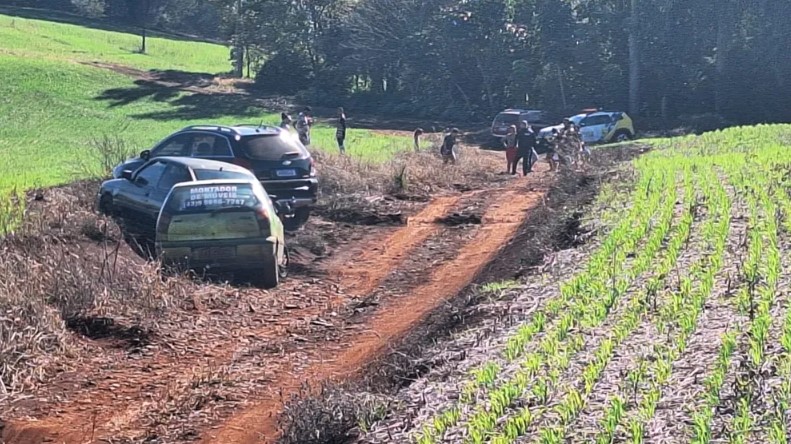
column 204, row 164
column 241, row 129
column 214, row 182
column 604, row 113
column 519, row 111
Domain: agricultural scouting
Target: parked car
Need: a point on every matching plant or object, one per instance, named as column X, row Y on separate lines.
column 274, row 155
column 537, row 119
column 137, row 197
column 223, row 226
column 606, row 127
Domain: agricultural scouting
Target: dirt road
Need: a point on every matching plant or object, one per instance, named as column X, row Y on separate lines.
column 229, row 388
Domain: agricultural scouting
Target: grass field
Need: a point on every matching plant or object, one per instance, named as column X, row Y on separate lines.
column 56, row 41
column 679, row 315
column 52, row 107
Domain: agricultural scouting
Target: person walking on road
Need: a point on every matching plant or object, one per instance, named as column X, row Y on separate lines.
column 304, row 122
column 447, row 150
column 510, row 148
column 340, row 132
column 525, row 149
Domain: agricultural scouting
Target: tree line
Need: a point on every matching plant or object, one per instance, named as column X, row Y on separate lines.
column 663, row 61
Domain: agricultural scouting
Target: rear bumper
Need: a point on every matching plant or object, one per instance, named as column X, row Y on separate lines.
column 300, row 192
column 249, row 255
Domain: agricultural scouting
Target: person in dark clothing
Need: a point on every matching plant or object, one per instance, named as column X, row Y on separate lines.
column 525, row 149
column 285, row 121
column 417, row 134
column 340, row 133
column 446, row 150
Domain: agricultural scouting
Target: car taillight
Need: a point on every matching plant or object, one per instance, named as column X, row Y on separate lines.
column 163, row 225
column 312, row 167
column 263, row 220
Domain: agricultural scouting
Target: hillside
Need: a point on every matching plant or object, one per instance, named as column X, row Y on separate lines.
column 65, row 86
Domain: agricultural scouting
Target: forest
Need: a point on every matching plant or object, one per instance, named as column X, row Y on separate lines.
column 666, row 62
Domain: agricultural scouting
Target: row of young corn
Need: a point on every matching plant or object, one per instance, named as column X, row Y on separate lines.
column 573, row 400
column 677, row 320
column 592, row 304
column 485, row 384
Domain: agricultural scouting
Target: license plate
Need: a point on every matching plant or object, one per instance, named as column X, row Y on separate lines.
column 286, row 173
column 214, row 253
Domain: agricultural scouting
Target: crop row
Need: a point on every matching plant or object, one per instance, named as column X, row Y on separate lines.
column 678, row 320
column 621, row 242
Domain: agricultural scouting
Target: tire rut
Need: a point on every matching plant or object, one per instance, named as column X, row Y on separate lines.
column 124, row 398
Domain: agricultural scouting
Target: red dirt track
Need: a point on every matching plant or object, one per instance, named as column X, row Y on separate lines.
column 383, row 262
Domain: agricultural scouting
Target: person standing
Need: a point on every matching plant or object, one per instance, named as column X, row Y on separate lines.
column 447, row 150
column 525, row 149
column 285, row 121
column 510, row 147
column 340, row 132
column 417, row 134
column 304, row 122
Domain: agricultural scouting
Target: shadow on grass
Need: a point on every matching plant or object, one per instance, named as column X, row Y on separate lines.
column 103, row 25
column 186, row 96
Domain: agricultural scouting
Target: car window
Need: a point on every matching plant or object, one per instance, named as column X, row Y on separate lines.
column 210, row 145
column 596, row 120
column 219, row 175
column 201, row 198
column 174, row 174
column 149, row 175
column 175, row 146
column 506, row 119
column 272, row 147
column 533, row 116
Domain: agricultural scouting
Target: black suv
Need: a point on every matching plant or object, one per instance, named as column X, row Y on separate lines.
column 276, row 157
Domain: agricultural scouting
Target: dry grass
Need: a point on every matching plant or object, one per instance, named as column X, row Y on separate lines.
column 62, row 266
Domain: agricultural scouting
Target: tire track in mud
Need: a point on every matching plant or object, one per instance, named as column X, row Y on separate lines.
column 373, row 261
column 354, row 272
column 501, row 221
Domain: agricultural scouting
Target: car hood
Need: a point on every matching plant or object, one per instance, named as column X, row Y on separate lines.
column 545, row 132
column 111, row 185
column 130, row 164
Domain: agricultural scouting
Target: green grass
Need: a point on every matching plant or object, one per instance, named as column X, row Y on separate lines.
column 52, row 107
column 56, row 41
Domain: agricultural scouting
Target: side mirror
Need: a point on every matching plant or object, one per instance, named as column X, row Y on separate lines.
column 145, row 154
column 126, row 174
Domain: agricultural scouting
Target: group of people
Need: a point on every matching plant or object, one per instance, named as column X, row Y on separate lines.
column 305, row 123
column 566, row 147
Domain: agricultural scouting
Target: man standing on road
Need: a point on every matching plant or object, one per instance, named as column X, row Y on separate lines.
column 285, row 121
column 418, row 132
column 304, row 122
column 525, row 149
column 340, row 133
column 568, row 143
column 447, row 149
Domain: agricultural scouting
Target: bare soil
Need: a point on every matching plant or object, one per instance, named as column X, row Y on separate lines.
column 221, row 359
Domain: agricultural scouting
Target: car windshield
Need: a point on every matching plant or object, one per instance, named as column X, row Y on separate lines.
column 577, row 119
column 220, row 175
column 506, row 119
column 202, row 198
column 272, row 148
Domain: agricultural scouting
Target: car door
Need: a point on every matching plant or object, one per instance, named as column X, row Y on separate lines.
column 210, row 146
column 176, row 146
column 174, row 174
column 593, row 128
column 138, row 195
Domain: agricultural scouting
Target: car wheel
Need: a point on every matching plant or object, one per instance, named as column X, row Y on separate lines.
column 282, row 269
column 270, row 277
column 622, row 136
column 297, row 220
column 106, row 205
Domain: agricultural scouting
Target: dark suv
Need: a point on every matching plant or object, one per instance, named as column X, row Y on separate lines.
column 276, row 157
